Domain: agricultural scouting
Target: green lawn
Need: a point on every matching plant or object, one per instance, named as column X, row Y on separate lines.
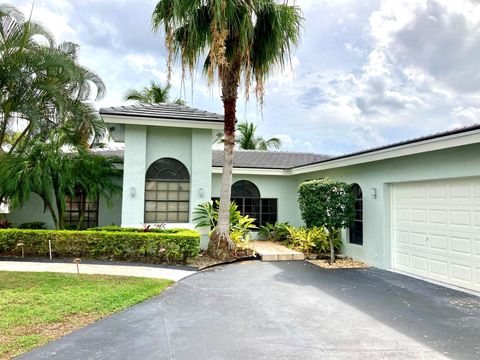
column 38, row 307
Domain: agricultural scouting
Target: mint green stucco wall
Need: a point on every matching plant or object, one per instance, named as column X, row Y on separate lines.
column 146, row 144
column 377, row 238
column 283, row 188
column 33, row 211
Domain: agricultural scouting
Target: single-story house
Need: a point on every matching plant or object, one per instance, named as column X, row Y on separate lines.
column 418, row 201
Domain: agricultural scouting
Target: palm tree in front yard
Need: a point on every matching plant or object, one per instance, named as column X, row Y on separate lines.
column 239, row 40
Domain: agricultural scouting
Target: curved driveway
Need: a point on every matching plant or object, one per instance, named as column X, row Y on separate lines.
column 285, row 310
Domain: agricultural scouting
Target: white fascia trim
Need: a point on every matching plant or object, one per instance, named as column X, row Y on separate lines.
column 440, row 143
column 136, row 120
column 250, row 171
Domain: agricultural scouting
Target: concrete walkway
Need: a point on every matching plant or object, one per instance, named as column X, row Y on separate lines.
column 271, row 251
column 288, row 310
column 156, row 272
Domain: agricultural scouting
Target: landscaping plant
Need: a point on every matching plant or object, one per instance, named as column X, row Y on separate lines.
column 46, row 170
column 240, row 226
column 327, row 203
column 274, row 232
column 237, row 40
column 157, row 247
column 33, row 225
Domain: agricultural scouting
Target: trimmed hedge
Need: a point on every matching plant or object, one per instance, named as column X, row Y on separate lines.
column 130, row 246
column 116, row 228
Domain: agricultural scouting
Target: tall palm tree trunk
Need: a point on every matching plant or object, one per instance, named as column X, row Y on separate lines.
column 221, row 245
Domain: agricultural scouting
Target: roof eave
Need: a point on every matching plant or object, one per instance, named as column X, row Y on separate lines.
column 164, row 122
column 432, row 143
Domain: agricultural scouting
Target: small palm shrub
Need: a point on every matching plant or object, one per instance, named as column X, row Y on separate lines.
column 240, row 226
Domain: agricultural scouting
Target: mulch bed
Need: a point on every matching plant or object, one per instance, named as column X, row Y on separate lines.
column 204, row 261
column 339, row 264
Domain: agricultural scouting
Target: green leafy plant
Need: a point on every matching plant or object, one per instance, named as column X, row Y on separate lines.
column 304, row 239
column 207, row 214
column 34, row 225
column 117, row 228
column 329, row 204
column 275, row 232
column 240, row 226
column 110, row 245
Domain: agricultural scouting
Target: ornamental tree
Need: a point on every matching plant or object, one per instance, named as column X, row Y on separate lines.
column 236, row 41
column 327, row 203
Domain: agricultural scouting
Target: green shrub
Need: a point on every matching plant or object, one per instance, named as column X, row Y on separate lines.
column 276, row 232
column 111, row 245
column 311, row 240
column 33, row 225
column 329, row 204
column 117, row 228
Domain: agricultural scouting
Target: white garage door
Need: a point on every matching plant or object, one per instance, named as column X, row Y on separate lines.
column 436, row 229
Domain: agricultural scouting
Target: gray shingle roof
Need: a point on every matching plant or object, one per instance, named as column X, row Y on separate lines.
column 162, row 111
column 458, row 130
column 248, row 158
column 267, row 159
column 288, row 160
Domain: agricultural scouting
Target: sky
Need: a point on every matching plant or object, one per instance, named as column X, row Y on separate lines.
column 366, row 73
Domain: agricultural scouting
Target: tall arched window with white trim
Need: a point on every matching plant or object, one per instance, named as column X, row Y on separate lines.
column 167, row 192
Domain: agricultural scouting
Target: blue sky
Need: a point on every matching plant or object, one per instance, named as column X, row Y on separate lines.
column 366, row 73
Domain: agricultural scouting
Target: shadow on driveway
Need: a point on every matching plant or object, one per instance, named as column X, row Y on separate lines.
column 443, row 319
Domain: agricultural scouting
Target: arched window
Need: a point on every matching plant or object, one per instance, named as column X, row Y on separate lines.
column 356, row 231
column 167, row 192
column 247, row 197
column 245, row 189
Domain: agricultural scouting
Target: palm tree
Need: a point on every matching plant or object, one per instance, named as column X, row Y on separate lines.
column 43, row 85
column 241, row 39
column 154, row 94
column 46, row 170
column 248, row 140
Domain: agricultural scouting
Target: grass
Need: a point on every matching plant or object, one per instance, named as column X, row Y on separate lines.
column 36, row 308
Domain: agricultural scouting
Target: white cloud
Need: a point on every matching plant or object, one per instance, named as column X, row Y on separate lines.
column 366, row 73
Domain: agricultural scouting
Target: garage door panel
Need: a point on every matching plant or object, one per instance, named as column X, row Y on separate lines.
column 419, row 239
column 461, row 272
column 460, row 218
column 459, row 190
column 439, row 267
column 460, row 245
column 438, row 242
column 437, row 217
column 402, row 261
column 476, row 222
column 419, row 263
column 437, row 230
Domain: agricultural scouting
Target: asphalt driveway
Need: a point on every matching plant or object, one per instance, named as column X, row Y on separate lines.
column 288, row 310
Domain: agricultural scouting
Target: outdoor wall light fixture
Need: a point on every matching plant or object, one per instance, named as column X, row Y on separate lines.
column 132, row 191
column 374, row 193
column 201, row 192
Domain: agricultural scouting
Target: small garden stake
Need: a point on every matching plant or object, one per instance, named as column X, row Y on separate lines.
column 21, row 245
column 77, row 261
column 50, row 248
